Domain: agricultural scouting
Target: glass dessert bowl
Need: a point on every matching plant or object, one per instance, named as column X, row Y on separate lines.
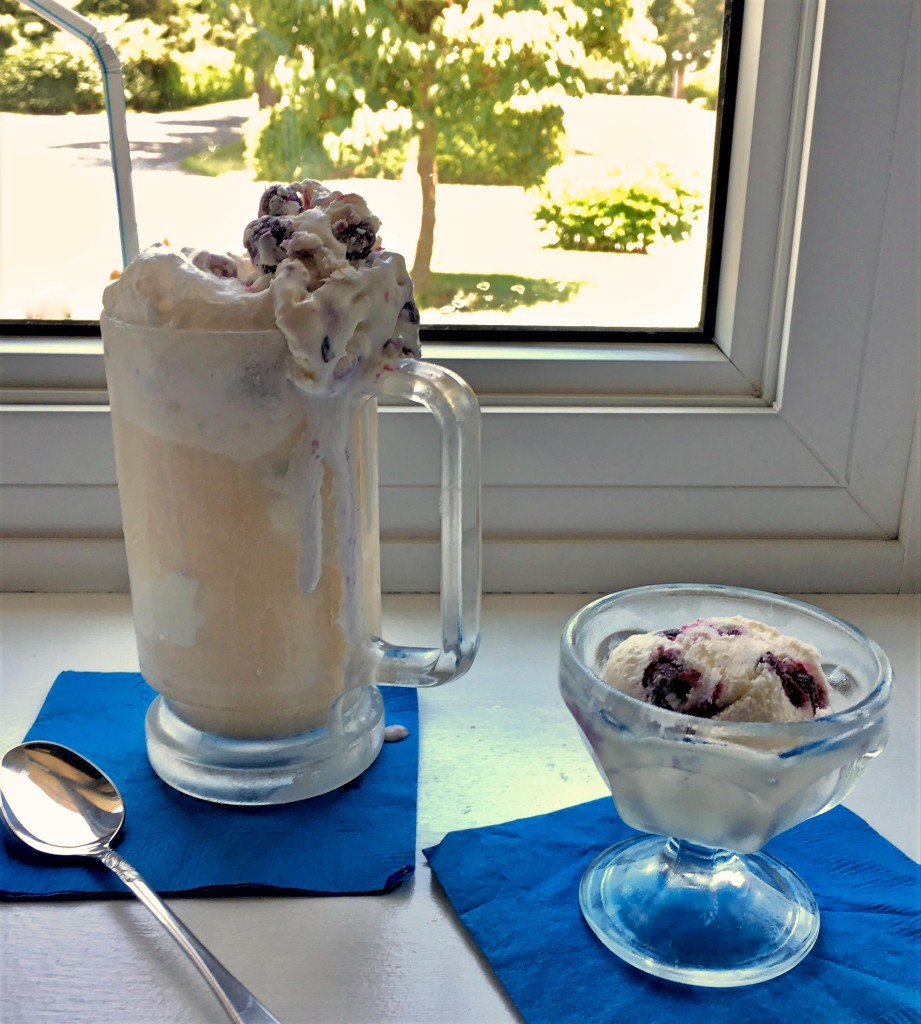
column 696, row 900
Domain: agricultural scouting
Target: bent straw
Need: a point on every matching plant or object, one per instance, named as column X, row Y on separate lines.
column 114, row 91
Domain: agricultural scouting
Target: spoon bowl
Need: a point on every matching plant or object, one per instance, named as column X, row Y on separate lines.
column 57, row 802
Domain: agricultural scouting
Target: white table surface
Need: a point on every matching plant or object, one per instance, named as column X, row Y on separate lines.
column 495, row 745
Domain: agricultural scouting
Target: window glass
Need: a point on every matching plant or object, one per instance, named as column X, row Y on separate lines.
column 547, row 164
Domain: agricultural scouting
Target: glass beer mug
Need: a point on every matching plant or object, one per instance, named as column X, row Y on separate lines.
column 250, row 516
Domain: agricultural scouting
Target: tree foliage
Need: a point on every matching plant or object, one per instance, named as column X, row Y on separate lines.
column 172, row 57
column 20, row 24
column 621, row 46
column 647, row 47
column 689, row 32
column 476, row 87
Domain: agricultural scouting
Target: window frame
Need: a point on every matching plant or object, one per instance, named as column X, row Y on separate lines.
column 811, row 374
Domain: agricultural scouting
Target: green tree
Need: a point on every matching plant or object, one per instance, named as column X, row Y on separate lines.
column 621, row 45
column 159, row 11
column 18, row 22
column 172, row 57
column 689, row 32
column 476, row 85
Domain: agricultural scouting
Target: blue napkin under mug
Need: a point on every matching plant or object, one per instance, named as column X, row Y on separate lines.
column 360, row 838
column 515, row 888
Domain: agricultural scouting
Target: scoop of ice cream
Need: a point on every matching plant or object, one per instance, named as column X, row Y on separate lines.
column 729, row 668
column 314, row 268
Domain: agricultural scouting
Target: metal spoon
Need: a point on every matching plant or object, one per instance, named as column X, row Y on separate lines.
column 58, row 802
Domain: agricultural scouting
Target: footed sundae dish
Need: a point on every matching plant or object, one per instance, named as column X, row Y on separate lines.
column 719, row 717
column 243, row 391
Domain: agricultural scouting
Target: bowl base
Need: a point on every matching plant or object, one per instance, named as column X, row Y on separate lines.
column 696, row 915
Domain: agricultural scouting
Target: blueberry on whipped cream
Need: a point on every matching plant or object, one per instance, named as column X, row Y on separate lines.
column 265, row 239
column 280, row 201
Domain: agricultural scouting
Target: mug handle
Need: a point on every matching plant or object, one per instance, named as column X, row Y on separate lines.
column 457, row 412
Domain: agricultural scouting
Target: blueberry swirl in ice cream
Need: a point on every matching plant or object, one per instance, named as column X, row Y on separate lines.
column 728, row 668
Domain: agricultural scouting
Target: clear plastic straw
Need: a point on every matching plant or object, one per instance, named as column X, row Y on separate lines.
column 114, row 91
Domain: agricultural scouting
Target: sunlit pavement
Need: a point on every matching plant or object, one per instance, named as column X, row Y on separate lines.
column 60, row 241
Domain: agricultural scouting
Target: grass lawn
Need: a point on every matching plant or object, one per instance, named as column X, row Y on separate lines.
column 215, row 160
column 498, row 293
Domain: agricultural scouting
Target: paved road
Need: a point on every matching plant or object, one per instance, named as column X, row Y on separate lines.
column 59, row 240
column 158, row 141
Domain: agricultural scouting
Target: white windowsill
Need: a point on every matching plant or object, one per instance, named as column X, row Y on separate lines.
column 496, row 745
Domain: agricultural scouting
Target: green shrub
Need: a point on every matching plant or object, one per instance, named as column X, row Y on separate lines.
column 209, row 74
column 49, row 81
column 623, row 214
column 375, row 145
column 153, row 81
column 158, row 76
column 288, row 142
column 59, row 74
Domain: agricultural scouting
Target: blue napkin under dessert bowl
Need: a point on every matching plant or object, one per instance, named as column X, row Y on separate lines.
column 515, row 888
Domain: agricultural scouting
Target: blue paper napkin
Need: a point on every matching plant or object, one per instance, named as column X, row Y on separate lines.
column 515, row 888
column 360, row 838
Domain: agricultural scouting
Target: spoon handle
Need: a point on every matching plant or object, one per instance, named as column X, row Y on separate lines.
column 238, row 1002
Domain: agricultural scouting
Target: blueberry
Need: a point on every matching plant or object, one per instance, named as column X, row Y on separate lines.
column 280, row 201
column 359, row 238
column 710, row 707
column 668, row 683
column 263, row 238
column 798, row 683
column 410, row 312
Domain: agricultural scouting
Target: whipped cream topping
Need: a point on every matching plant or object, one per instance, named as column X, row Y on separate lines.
column 314, row 268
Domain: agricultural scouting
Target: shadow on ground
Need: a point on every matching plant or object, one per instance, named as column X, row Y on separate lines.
column 464, row 293
column 173, row 139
